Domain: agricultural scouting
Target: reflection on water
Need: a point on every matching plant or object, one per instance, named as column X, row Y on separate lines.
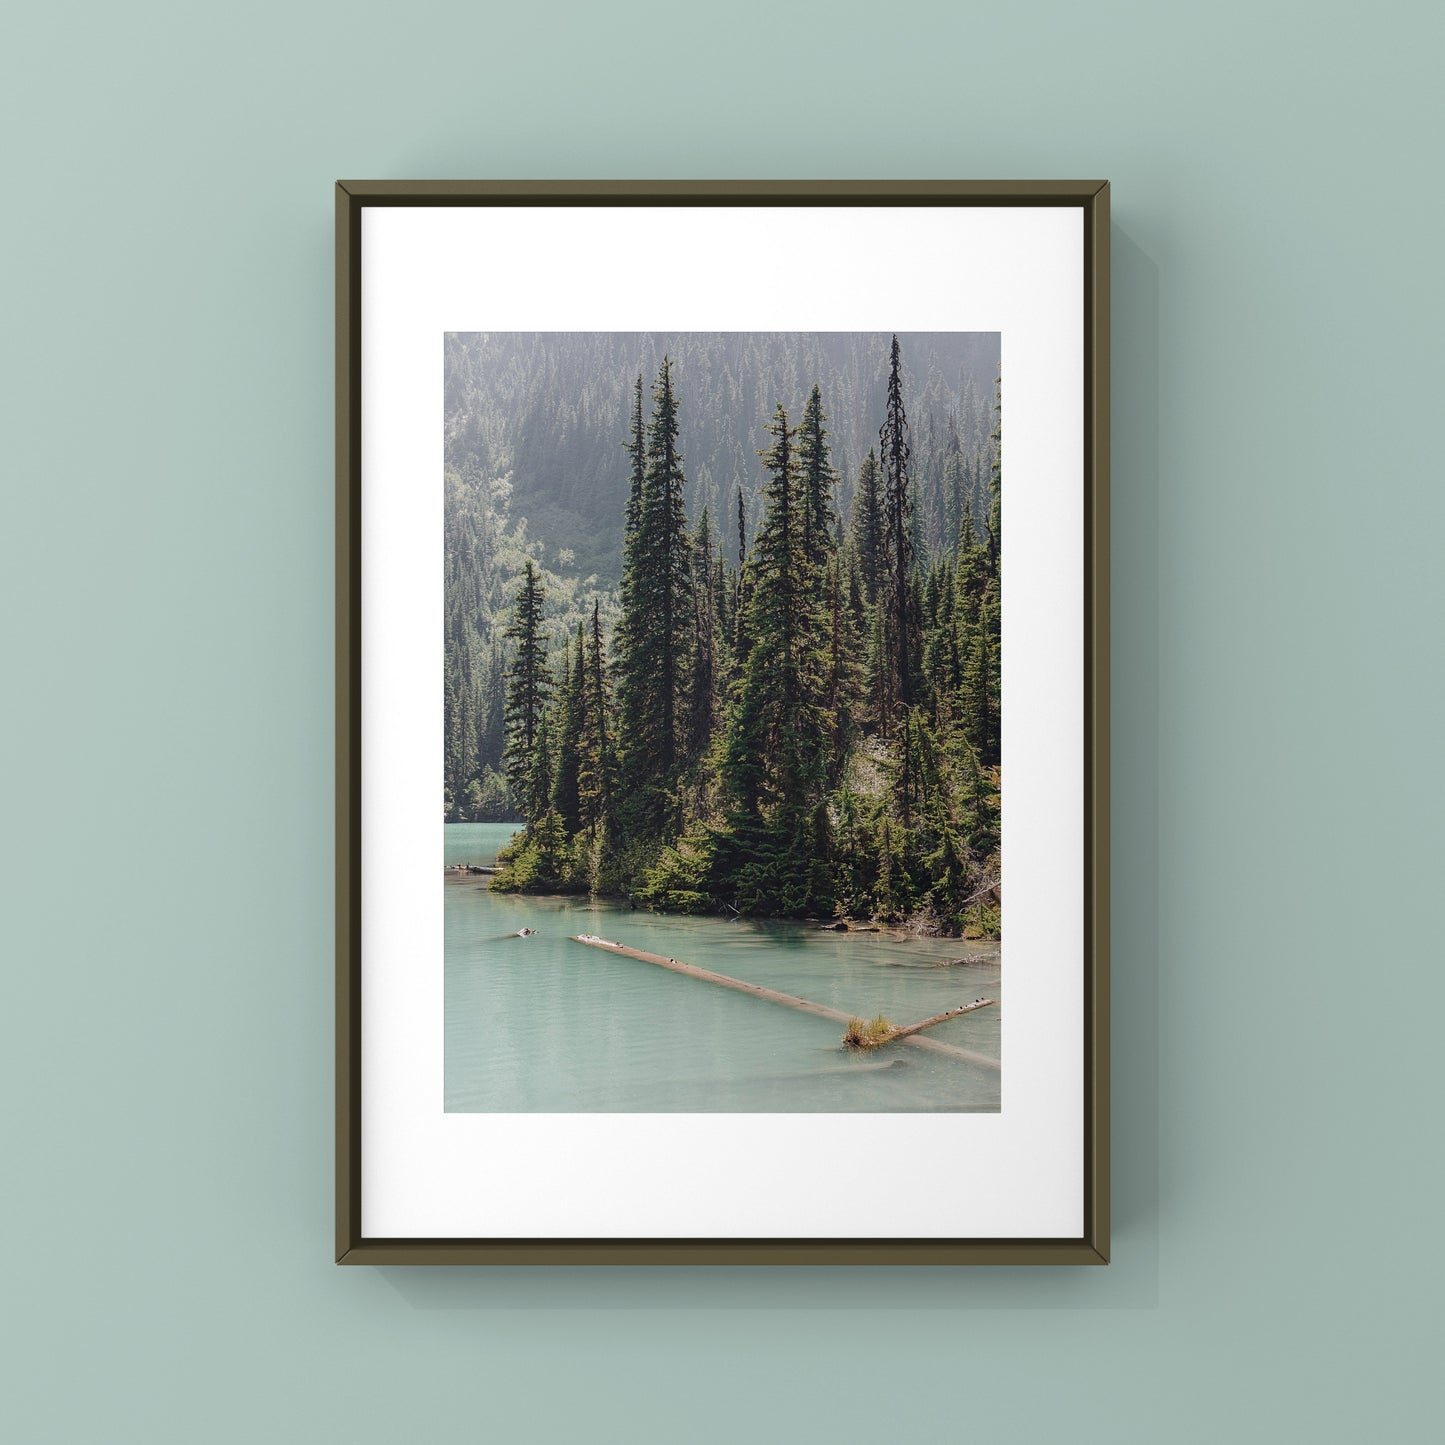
column 543, row 1024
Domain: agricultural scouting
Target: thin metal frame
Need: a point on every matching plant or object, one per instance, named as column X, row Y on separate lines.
column 1092, row 1247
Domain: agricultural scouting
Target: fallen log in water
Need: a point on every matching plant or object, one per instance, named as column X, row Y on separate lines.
column 771, row 995
column 893, row 1036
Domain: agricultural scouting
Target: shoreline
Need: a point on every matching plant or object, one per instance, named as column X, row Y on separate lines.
column 901, row 932
column 841, row 927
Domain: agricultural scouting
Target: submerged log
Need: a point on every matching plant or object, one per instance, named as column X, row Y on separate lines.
column 787, row 1000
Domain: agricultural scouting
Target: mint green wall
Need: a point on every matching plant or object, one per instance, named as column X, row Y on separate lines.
column 166, row 793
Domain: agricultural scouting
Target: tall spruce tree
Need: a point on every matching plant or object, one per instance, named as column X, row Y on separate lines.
column 636, row 449
column 571, row 725
column 741, row 595
column 900, row 616
column 816, row 478
column 657, row 623
column 635, row 446
column 529, row 687
column 775, row 764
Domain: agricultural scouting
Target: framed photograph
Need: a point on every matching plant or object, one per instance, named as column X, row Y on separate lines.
column 722, row 722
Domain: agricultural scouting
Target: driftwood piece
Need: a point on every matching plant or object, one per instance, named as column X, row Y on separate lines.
column 912, row 1029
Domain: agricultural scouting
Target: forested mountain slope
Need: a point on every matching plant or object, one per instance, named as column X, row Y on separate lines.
column 548, row 412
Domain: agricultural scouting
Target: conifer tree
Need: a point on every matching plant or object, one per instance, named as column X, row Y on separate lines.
column 868, row 528
column 978, row 706
column 941, row 661
column 491, row 729
column 892, row 895
column 816, row 478
column 466, row 737
column 702, row 683
column 977, row 802
column 776, row 754
column 995, row 480
column 741, row 643
column 901, row 624
column 657, row 624
column 723, row 594
column 597, row 764
column 571, row 725
column 540, row 770
column 453, row 782
column 529, row 686
column 991, row 606
column 636, row 449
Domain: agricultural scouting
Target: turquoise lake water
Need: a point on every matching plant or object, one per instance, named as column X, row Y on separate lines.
column 545, row 1024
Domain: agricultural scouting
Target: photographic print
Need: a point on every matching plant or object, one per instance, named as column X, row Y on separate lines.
column 722, row 710
column 722, row 714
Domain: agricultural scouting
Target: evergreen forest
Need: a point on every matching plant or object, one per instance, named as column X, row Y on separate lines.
column 723, row 619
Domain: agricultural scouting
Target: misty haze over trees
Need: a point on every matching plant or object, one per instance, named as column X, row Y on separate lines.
column 722, row 618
